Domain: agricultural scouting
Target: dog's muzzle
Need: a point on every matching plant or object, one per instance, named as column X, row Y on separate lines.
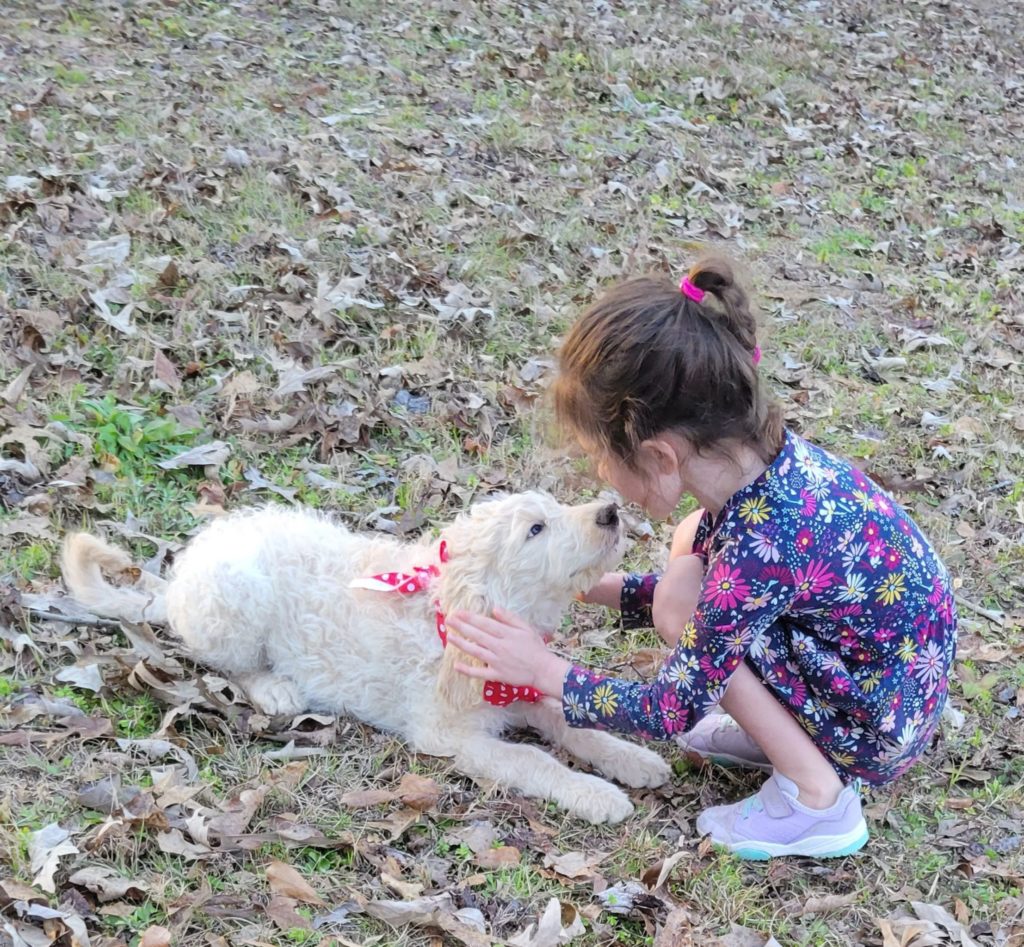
column 608, row 516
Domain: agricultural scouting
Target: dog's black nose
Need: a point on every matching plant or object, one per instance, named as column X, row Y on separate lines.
column 608, row 515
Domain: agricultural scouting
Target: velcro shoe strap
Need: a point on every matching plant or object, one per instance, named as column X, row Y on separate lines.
column 774, row 802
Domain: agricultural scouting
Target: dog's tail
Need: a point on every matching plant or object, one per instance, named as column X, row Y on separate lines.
column 83, row 563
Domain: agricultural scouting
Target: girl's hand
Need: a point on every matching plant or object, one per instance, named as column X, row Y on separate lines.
column 607, row 592
column 513, row 652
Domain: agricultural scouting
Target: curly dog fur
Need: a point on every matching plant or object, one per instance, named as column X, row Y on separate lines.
column 264, row 597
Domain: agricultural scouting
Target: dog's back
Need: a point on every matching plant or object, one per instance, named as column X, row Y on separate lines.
column 270, row 591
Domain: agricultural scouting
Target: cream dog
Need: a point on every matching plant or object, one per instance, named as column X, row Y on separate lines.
column 278, row 600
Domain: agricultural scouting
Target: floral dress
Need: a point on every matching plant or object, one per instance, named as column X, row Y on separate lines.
column 822, row 583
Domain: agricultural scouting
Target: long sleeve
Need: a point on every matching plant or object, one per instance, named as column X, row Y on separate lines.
column 741, row 596
column 636, row 599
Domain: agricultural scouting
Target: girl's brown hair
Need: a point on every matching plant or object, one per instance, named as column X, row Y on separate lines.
column 646, row 359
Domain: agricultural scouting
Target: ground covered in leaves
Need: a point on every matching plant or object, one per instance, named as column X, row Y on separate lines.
column 321, row 253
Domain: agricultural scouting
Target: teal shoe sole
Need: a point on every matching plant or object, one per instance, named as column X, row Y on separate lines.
column 761, row 855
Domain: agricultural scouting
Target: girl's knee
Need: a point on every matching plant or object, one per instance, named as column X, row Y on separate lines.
column 670, row 636
column 685, row 535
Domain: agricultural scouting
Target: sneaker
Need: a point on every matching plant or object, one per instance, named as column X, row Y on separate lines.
column 719, row 739
column 773, row 823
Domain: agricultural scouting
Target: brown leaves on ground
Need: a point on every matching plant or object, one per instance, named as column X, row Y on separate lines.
column 349, row 296
column 285, row 880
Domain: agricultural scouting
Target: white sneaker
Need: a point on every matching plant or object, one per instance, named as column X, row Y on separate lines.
column 719, row 739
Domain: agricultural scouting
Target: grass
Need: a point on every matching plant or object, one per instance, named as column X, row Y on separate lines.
column 501, row 158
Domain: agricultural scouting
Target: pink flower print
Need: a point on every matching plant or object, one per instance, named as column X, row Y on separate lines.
column 904, row 526
column 727, row 589
column 810, row 504
column 846, row 611
column 876, row 548
column 778, row 573
column 946, row 608
column 883, row 505
column 891, row 558
column 711, row 672
column 813, row 580
column 805, row 540
column 935, row 595
column 847, row 637
column 798, row 692
column 871, row 532
column 883, row 635
column 673, row 713
column 841, row 684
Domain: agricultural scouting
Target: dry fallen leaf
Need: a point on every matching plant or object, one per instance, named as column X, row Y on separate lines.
column 366, row 798
column 12, row 890
column 418, row 792
column 823, row 905
column 155, row 936
column 504, row 856
column 406, row 889
column 205, row 455
column 435, row 911
column 575, row 865
column 174, row 843
column 281, row 910
column 559, row 924
column 238, row 811
column 164, row 370
column 46, row 847
column 286, row 880
column 107, row 884
column 677, row 931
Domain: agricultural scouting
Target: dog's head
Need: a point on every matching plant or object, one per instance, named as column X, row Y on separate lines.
column 527, row 553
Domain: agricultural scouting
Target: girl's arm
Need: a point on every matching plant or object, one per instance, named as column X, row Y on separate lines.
column 630, row 592
column 607, row 592
column 735, row 607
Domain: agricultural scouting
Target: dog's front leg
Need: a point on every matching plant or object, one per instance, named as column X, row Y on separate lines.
column 272, row 693
column 624, row 762
column 534, row 773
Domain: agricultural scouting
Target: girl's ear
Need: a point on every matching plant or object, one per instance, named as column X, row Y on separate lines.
column 659, row 456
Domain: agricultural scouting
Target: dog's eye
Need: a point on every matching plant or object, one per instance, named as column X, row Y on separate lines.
column 536, row 530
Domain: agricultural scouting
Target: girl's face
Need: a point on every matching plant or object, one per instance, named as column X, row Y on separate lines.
column 655, row 484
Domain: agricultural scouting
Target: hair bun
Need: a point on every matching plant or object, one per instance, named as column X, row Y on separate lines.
column 712, row 274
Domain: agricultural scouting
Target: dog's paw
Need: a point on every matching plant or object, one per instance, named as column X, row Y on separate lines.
column 276, row 696
column 637, row 767
column 599, row 802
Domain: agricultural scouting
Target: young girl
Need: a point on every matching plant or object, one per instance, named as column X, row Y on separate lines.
column 801, row 597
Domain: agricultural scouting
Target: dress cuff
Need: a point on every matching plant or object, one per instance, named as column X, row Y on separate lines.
column 636, row 599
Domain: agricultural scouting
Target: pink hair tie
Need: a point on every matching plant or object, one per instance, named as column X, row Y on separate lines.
column 688, row 289
column 755, row 356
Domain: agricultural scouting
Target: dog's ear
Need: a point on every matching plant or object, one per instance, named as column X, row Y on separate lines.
column 457, row 690
column 466, row 584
